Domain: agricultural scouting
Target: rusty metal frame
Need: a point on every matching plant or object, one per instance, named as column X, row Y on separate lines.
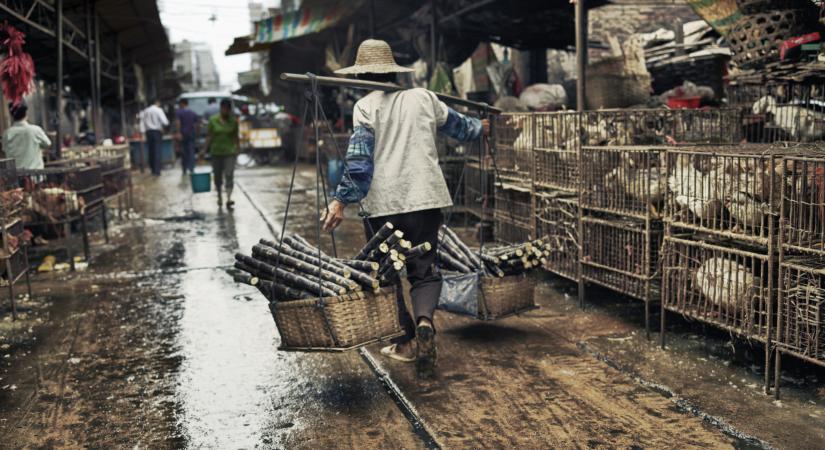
column 557, row 217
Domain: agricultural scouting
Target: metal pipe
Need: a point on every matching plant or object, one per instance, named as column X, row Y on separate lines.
column 98, row 89
column 59, row 136
column 433, row 39
column 581, row 55
column 120, row 93
column 385, row 87
column 90, row 52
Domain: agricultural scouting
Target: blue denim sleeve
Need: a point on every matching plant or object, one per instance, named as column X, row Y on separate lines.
column 356, row 181
column 460, row 127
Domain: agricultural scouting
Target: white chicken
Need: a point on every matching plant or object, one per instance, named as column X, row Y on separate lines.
column 800, row 123
column 640, row 184
column 727, row 284
column 747, row 211
column 694, row 190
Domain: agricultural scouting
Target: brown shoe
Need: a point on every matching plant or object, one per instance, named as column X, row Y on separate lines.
column 427, row 356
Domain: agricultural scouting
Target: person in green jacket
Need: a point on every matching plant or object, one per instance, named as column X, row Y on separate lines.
column 222, row 142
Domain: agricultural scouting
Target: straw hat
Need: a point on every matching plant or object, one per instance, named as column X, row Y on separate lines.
column 374, row 56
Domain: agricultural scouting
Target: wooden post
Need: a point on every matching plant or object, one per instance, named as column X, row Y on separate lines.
column 59, row 99
column 90, row 52
column 679, row 35
column 120, row 94
column 98, row 90
column 433, row 39
column 581, row 55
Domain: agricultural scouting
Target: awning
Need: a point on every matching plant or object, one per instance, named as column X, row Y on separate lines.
column 313, row 16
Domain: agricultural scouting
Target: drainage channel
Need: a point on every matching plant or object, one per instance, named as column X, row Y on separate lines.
column 406, row 407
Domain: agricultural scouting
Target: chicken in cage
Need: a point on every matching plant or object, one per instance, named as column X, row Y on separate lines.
column 695, row 190
column 727, row 284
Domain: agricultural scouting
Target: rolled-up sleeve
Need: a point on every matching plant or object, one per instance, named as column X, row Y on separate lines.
column 460, row 127
column 355, row 184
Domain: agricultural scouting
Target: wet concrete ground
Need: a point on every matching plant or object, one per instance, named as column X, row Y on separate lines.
column 154, row 346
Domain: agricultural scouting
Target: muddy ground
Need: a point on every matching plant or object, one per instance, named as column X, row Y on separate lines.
column 154, row 346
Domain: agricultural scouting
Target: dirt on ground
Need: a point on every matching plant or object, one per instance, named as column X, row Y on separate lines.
column 155, row 346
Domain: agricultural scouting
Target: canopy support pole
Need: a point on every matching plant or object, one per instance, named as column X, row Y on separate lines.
column 581, row 55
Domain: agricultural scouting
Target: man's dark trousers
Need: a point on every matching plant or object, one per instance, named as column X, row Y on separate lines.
column 154, row 138
column 424, row 278
column 187, row 157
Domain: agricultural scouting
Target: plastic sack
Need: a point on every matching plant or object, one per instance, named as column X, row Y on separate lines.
column 544, row 97
column 459, row 294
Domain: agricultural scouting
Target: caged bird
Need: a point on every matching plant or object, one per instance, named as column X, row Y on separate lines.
column 799, row 122
column 747, row 211
column 695, row 191
column 727, row 284
column 640, row 184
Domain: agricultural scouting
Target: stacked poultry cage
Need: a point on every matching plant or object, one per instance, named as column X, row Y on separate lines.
column 14, row 251
column 511, row 162
column 720, row 255
column 619, row 220
column 775, row 110
column 63, row 194
column 801, row 288
column 555, row 184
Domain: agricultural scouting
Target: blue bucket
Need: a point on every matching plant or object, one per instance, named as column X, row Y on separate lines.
column 201, row 182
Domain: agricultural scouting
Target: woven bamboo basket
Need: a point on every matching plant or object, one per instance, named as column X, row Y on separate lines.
column 338, row 323
column 502, row 297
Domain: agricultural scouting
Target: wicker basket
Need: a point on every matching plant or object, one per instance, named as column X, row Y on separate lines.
column 755, row 39
column 502, row 297
column 758, row 6
column 337, row 323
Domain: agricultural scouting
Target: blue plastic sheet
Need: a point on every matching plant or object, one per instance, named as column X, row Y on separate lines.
column 459, row 294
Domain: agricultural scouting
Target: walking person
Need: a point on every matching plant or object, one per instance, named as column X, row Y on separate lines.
column 188, row 126
column 392, row 163
column 152, row 121
column 24, row 142
column 222, row 142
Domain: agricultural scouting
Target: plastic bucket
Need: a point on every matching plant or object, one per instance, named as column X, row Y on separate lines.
column 684, row 102
column 201, row 182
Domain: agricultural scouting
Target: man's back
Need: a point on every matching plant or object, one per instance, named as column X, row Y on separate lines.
column 187, row 119
column 153, row 118
column 405, row 124
column 23, row 142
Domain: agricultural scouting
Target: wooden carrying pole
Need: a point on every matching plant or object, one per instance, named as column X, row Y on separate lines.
column 385, row 87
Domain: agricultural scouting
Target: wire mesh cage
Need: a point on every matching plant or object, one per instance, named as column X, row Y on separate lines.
column 780, row 110
column 513, row 142
column 623, row 180
column 556, row 153
column 660, row 126
column 557, row 225
column 514, row 204
column 478, row 190
column 509, row 232
column 8, row 174
column 803, row 205
column 730, row 191
column 727, row 287
column 622, row 255
column 61, row 190
column 801, row 308
column 453, row 170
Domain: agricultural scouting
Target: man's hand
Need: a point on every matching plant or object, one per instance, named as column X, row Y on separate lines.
column 485, row 127
column 333, row 216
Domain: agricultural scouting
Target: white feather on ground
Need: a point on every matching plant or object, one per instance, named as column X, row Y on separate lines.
column 726, row 283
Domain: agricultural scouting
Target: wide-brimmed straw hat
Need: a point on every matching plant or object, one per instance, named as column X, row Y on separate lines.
column 374, row 56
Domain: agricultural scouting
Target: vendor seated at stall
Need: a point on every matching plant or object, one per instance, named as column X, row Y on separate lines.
column 23, row 141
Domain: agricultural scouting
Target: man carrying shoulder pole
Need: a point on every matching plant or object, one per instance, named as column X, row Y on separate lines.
column 392, row 168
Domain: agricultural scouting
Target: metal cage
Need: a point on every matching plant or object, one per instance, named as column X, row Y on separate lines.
column 660, row 126
column 729, row 288
column 801, row 309
column 556, row 152
column 478, row 190
column 802, row 228
column 452, row 167
column 623, row 180
column 622, row 255
column 514, row 214
column 780, row 110
column 730, row 191
column 513, row 139
column 557, row 224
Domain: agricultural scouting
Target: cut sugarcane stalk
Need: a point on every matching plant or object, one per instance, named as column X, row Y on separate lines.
column 418, row 250
column 292, row 279
column 453, row 263
column 309, row 259
column 273, row 256
column 378, row 238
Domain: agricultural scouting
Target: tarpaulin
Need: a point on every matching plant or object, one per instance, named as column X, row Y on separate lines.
column 312, row 17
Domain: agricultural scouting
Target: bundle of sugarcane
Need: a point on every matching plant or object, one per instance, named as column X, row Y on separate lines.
column 494, row 261
column 294, row 269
